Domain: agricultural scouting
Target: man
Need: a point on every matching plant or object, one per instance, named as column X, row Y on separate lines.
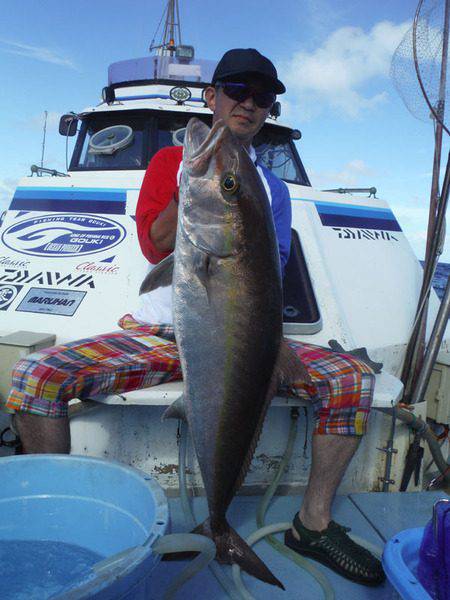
column 242, row 92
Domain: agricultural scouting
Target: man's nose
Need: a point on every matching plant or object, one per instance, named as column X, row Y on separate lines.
column 249, row 103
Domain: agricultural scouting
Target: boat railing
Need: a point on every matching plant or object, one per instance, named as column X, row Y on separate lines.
column 39, row 171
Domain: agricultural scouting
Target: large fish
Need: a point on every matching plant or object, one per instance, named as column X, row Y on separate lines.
column 227, row 309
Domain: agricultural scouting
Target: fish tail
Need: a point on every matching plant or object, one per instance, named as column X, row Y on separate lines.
column 231, row 548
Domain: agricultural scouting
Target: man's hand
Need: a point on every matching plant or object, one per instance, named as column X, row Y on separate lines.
column 164, row 228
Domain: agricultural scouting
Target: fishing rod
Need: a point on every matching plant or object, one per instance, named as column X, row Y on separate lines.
column 438, row 202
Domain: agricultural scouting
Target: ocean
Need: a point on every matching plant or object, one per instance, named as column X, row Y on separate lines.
column 440, row 278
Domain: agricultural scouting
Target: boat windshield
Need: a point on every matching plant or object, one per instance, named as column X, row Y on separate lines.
column 127, row 140
column 114, row 142
column 273, row 146
column 276, row 150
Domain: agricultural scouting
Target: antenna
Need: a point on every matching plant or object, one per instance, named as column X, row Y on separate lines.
column 171, row 36
column 43, row 139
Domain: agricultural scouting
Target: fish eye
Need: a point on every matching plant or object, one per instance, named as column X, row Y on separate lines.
column 229, row 183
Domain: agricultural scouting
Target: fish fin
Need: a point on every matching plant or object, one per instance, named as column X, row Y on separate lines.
column 231, row 548
column 159, row 276
column 289, row 368
column 177, row 410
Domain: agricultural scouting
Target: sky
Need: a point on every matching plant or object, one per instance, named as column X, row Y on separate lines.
column 333, row 55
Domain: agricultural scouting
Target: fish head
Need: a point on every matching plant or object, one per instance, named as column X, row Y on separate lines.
column 218, row 181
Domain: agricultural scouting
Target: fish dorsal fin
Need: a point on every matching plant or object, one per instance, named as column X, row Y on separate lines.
column 159, row 276
column 288, row 369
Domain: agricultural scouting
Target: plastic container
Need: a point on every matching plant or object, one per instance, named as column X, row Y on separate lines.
column 55, row 507
column 400, row 561
column 434, row 555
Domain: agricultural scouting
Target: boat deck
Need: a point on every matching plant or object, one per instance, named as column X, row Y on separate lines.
column 373, row 516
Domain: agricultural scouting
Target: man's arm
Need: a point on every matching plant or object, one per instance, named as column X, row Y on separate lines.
column 282, row 216
column 164, row 228
column 156, row 211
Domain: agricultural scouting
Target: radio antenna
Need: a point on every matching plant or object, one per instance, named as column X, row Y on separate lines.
column 43, row 139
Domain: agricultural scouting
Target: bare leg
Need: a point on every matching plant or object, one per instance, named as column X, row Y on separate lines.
column 43, row 435
column 331, row 455
column 325, row 542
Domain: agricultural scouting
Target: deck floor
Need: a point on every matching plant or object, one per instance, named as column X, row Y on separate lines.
column 373, row 516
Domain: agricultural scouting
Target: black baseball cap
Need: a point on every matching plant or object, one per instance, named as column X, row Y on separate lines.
column 243, row 61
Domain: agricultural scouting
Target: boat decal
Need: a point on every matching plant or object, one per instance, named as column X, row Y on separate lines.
column 63, row 235
column 93, row 267
column 7, row 261
column 346, row 233
column 8, row 293
column 53, row 278
column 334, row 214
column 65, row 199
column 51, row 302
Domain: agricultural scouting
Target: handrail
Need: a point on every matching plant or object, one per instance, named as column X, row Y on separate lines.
column 40, row 170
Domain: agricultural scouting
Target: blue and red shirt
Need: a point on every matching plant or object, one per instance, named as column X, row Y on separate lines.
column 160, row 184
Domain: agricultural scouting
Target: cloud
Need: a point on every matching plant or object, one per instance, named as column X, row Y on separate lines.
column 37, row 53
column 352, row 174
column 337, row 75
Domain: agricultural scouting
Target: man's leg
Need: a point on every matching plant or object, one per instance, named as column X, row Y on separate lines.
column 43, row 435
column 44, row 382
column 341, row 396
column 331, row 455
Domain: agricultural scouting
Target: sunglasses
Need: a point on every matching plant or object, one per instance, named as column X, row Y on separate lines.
column 241, row 91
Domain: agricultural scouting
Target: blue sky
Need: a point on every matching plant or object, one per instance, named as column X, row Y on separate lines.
column 334, row 57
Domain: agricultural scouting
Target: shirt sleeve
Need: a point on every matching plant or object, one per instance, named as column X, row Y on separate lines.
column 282, row 216
column 158, row 188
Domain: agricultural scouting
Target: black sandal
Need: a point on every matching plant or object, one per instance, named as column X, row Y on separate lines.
column 336, row 550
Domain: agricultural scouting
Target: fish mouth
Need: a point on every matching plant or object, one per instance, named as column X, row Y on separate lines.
column 201, row 143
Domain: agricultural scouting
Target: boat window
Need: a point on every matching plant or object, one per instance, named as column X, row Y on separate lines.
column 276, row 151
column 273, row 146
column 108, row 145
column 171, row 130
column 301, row 313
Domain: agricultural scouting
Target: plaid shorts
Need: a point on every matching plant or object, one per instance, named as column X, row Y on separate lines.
column 141, row 356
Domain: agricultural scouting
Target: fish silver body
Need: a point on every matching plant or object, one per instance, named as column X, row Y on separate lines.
column 227, row 306
column 227, row 310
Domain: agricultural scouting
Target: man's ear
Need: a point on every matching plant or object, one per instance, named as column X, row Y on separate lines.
column 210, row 97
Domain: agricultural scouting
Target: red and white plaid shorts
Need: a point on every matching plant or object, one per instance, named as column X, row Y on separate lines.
column 140, row 356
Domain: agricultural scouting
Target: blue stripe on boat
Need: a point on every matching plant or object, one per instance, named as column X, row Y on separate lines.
column 75, row 189
column 78, row 206
column 71, row 195
column 360, row 211
column 153, row 97
column 359, row 222
column 335, row 214
column 63, row 199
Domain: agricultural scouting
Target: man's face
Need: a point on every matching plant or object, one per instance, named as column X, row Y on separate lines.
column 244, row 118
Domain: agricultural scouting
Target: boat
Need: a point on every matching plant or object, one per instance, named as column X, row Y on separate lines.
column 66, row 241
